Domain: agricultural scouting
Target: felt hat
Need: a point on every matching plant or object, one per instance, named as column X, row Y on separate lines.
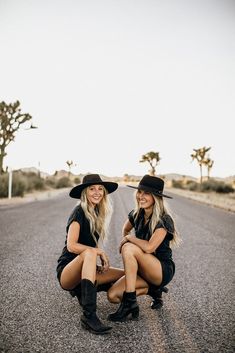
column 151, row 184
column 92, row 179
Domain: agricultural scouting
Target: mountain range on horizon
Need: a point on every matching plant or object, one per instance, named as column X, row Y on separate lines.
column 167, row 176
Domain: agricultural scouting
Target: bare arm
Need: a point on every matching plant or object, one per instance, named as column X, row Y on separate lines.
column 127, row 227
column 148, row 246
column 77, row 248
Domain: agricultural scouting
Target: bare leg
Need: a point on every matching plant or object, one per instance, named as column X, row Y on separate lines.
column 83, row 266
column 112, row 275
column 115, row 293
column 131, row 268
column 148, row 267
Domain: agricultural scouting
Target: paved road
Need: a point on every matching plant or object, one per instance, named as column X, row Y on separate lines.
column 37, row 316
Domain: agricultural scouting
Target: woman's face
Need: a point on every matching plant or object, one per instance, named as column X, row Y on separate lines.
column 95, row 194
column 144, row 199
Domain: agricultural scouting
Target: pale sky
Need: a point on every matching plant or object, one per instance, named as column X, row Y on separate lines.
column 108, row 81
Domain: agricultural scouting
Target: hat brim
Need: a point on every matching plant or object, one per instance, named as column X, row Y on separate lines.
column 152, row 191
column 76, row 192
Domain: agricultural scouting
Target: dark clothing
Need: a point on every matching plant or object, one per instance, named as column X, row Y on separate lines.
column 85, row 238
column 163, row 252
column 168, row 271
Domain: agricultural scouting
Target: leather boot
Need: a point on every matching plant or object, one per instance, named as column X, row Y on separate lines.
column 128, row 306
column 76, row 292
column 89, row 319
column 156, row 293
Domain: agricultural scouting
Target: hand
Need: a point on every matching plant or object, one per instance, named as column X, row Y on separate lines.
column 99, row 269
column 123, row 241
column 104, row 262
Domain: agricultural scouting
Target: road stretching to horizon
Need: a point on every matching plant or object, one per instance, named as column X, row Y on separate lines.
column 38, row 316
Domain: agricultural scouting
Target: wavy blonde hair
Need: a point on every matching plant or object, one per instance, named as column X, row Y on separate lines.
column 159, row 211
column 98, row 217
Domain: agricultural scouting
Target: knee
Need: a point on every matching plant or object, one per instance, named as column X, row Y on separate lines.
column 113, row 296
column 129, row 249
column 89, row 253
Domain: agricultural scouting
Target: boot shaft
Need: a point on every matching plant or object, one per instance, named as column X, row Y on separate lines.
column 89, row 319
column 88, row 296
column 128, row 307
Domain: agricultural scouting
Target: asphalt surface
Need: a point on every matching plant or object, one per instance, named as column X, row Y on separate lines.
column 38, row 316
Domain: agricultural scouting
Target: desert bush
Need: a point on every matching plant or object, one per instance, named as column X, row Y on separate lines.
column 193, row 185
column 209, row 185
column 177, row 184
column 63, row 182
column 217, row 186
column 18, row 185
column 4, row 185
column 224, row 188
column 33, row 181
column 77, row 180
column 51, row 182
column 206, row 186
column 23, row 182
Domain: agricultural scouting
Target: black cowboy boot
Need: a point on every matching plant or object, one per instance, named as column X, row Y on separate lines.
column 76, row 292
column 89, row 319
column 128, row 306
column 156, row 293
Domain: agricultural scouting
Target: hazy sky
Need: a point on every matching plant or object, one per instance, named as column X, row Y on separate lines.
column 108, row 81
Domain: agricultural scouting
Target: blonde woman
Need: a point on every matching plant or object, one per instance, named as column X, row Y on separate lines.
column 147, row 254
column 77, row 268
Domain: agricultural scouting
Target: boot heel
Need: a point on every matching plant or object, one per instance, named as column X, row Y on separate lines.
column 84, row 325
column 135, row 314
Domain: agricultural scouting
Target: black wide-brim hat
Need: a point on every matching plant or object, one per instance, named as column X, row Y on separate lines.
column 151, row 184
column 92, row 179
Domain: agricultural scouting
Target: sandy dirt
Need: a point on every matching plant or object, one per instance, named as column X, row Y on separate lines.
column 224, row 201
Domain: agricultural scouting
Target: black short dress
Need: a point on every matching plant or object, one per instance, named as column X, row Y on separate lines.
column 85, row 238
column 163, row 252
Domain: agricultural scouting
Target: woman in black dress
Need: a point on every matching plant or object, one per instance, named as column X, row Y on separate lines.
column 77, row 269
column 147, row 254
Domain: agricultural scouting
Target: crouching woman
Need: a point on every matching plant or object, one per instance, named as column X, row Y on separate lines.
column 77, row 269
column 146, row 254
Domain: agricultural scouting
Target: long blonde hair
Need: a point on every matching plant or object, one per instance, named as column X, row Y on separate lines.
column 98, row 217
column 159, row 211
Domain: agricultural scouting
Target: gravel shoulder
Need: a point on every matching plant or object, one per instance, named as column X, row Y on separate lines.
column 34, row 196
column 224, row 201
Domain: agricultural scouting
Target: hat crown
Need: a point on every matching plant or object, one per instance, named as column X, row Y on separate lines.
column 91, row 178
column 152, row 182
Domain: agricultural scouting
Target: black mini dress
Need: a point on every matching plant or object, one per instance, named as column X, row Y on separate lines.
column 85, row 238
column 163, row 253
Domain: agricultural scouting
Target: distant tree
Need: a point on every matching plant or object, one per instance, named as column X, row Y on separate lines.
column 200, row 155
column 126, row 177
column 209, row 164
column 11, row 119
column 153, row 159
column 69, row 164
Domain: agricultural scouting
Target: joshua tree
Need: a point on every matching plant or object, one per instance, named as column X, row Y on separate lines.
column 69, row 164
column 153, row 159
column 208, row 163
column 200, row 155
column 11, row 119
